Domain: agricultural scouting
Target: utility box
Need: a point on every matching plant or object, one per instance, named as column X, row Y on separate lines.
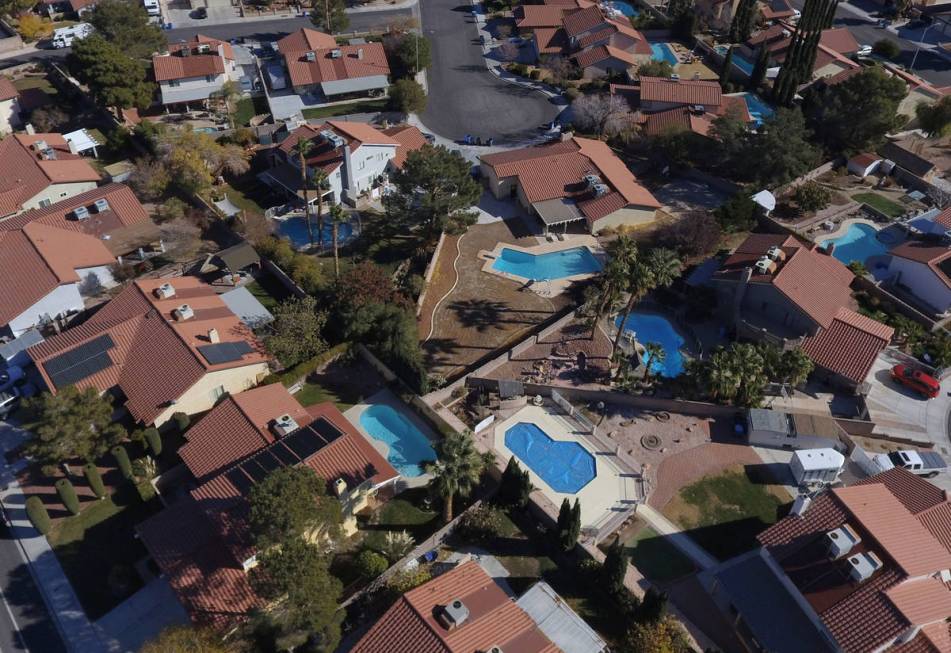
column 816, row 466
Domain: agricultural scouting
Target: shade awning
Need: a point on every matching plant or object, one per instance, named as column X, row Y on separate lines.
column 558, row 211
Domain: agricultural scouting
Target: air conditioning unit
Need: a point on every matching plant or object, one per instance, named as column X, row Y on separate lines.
column 336, row 53
column 786, row 33
column 601, row 190
column 675, row 78
column 81, row 213
column 183, row 312
column 698, row 108
column 284, row 425
column 48, row 154
column 454, row 614
column 39, row 146
column 592, row 180
column 863, row 565
column 204, row 48
column 165, row 291
column 332, row 138
column 841, row 541
column 101, row 204
column 775, row 253
column 494, row 649
column 310, row 56
column 763, row 266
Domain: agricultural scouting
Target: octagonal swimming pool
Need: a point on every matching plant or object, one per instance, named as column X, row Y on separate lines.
column 565, row 466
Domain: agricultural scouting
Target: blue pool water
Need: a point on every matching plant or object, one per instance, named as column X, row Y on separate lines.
column 857, row 244
column 663, row 52
column 758, row 108
column 296, row 230
column 739, row 60
column 408, row 446
column 565, row 466
column 650, row 327
column 544, row 267
column 625, row 8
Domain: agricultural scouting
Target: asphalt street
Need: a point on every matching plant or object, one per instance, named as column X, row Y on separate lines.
column 464, row 97
column 25, row 624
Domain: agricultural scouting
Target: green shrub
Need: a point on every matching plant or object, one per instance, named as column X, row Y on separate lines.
column 94, row 478
column 36, row 511
column 145, row 490
column 154, row 440
column 182, row 421
column 536, row 74
column 371, row 564
column 886, row 48
column 302, row 370
column 481, row 525
column 572, row 94
column 67, row 494
column 406, row 580
column 122, row 460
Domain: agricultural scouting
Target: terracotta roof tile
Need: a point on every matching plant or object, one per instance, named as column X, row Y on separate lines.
column 409, row 139
column 599, row 53
column 7, row 90
column 305, row 39
column 914, row 492
column 535, row 16
column 678, row 119
column 922, row 600
column 944, row 218
column 212, row 44
column 326, row 68
column 866, row 619
column 848, row 346
column 688, row 92
column 26, row 278
column 173, row 66
column 550, row 40
column 582, row 21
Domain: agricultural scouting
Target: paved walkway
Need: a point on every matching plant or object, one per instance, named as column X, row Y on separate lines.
column 678, row 538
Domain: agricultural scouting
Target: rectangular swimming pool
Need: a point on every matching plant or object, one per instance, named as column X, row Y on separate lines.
column 547, row 267
column 407, row 446
column 663, row 52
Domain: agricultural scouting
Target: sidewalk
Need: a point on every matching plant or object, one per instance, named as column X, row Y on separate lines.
column 678, row 538
column 26, row 50
column 78, row 633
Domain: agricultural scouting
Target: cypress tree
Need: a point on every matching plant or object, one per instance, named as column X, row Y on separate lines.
column 746, row 24
column 38, row 515
column 575, row 523
column 525, row 488
column 94, row 478
column 122, row 460
column 154, row 440
column 564, row 523
column 182, row 421
column 615, row 567
column 759, row 69
column 509, row 485
column 725, row 71
column 67, row 494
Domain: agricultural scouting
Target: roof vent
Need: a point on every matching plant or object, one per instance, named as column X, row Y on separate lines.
column 359, row 53
column 494, row 649
column 336, row 53
column 203, row 48
column 340, row 487
column 600, row 190
column 284, row 425
column 592, row 180
column 863, row 566
column 183, row 312
column 165, row 291
column 675, row 78
column 786, row 33
column 331, row 137
column 763, row 266
column 841, row 541
column 81, row 213
column 454, row 614
column 776, row 254
column 39, row 146
column 213, row 336
column 48, row 154
column 101, row 204
column 310, row 56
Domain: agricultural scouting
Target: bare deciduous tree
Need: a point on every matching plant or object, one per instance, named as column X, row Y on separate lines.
column 604, row 115
column 182, row 239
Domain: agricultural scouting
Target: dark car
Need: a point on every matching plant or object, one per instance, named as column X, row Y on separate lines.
column 922, row 383
column 201, row 13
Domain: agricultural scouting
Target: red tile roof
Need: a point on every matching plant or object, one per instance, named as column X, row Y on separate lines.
column 410, row 625
column 7, row 90
column 678, row 119
column 584, row 20
column 24, row 173
column 155, row 359
column 409, row 139
column 599, row 53
column 550, row 40
column 366, row 60
column 211, row 44
column 323, row 154
column 865, row 159
column 849, row 346
column 174, row 66
column 944, row 218
column 304, row 40
column 534, row 16
column 688, row 92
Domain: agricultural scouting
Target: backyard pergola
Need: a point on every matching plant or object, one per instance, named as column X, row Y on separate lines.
column 558, row 211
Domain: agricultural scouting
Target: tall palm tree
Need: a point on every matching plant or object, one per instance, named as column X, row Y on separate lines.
column 748, row 365
column 655, row 354
column 337, row 216
column 657, row 270
column 303, row 148
column 613, row 279
column 721, row 381
column 320, row 180
column 456, row 470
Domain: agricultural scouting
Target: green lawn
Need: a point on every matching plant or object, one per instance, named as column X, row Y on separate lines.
column 344, row 381
column 879, row 203
column 248, row 107
column 35, row 82
column 724, row 513
column 657, row 559
column 364, row 106
column 268, row 290
column 404, row 512
column 97, row 550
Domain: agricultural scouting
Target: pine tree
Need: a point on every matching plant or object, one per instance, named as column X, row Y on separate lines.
column 725, row 71
column 614, row 567
column 759, row 69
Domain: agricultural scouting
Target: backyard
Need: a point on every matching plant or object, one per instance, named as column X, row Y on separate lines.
column 655, row 557
column 880, row 204
column 248, row 107
column 343, row 381
column 364, row 106
column 268, row 290
column 724, row 513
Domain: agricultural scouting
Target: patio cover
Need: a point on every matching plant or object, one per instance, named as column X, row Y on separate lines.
column 558, row 211
column 355, row 85
column 246, row 306
column 82, row 141
column 237, row 257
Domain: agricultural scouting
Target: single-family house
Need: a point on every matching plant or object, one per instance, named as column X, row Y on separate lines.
column 864, row 164
column 192, row 71
column 778, row 289
column 465, row 610
column 161, row 346
column 603, row 45
column 924, row 164
column 575, row 181
column 52, row 258
column 776, row 10
column 317, row 64
column 855, row 569
column 37, row 170
column 355, row 157
column 836, row 45
column 718, row 14
column 65, row 7
column 202, row 544
column 922, row 269
column 9, row 106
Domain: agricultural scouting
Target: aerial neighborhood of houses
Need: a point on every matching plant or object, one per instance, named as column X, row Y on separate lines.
column 522, row 326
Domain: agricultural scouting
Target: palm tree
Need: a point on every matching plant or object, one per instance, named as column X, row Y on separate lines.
column 320, row 180
column 795, row 367
column 720, row 380
column 659, row 269
column 748, row 365
column 613, row 278
column 303, row 148
column 337, row 216
column 456, row 470
column 655, row 354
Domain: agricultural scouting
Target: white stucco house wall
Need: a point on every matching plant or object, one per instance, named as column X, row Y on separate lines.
column 922, row 269
column 192, row 72
column 9, row 106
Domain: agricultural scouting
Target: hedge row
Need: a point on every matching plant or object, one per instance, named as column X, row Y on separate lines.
column 301, row 371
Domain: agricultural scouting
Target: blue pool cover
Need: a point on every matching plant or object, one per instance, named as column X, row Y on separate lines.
column 649, row 327
column 859, row 243
column 565, row 466
column 408, row 446
column 544, row 267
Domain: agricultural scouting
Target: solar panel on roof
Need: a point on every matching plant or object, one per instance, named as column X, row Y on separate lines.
column 80, row 362
column 304, row 442
column 81, row 371
column 327, row 430
column 240, row 480
column 225, row 352
column 254, row 470
column 283, row 454
column 267, row 460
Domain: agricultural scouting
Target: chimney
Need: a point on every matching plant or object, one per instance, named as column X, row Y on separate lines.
column 30, row 129
column 348, row 184
column 829, row 249
column 213, row 336
column 340, row 487
column 359, row 53
column 72, row 147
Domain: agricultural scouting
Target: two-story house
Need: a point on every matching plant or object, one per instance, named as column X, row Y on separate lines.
column 354, row 156
column 53, row 257
column 9, row 106
column 602, row 45
column 192, row 71
column 37, row 170
column 161, row 346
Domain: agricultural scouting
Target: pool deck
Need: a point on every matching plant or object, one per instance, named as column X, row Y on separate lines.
column 843, row 228
column 555, row 286
column 610, row 492
column 387, row 397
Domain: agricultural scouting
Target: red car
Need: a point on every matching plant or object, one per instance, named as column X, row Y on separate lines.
column 924, row 384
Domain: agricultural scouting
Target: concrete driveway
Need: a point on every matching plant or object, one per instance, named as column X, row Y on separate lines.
column 464, row 97
column 896, row 410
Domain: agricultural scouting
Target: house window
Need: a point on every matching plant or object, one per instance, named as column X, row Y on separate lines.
column 217, row 393
column 209, row 78
column 363, row 164
column 45, row 202
column 175, row 82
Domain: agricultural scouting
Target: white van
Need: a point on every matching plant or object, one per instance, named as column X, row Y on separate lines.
column 152, row 7
column 64, row 36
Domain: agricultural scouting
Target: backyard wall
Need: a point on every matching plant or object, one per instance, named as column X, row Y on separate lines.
column 809, row 176
column 430, row 269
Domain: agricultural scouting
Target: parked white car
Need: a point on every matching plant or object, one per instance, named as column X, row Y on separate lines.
column 64, row 36
column 864, row 51
column 152, row 7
